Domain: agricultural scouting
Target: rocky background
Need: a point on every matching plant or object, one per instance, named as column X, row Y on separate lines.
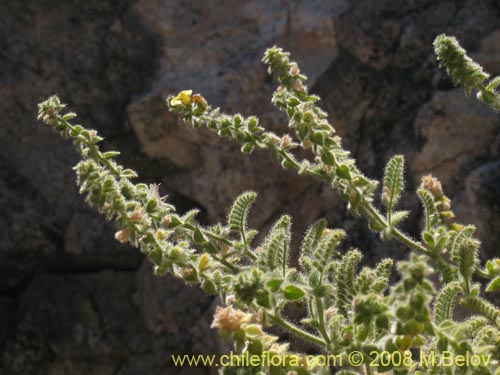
column 72, row 300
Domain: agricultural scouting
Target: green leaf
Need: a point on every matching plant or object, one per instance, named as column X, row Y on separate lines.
column 174, row 221
column 492, row 85
column 468, row 259
column 239, row 213
column 327, row 248
column 311, row 239
column 128, row 173
column 494, row 285
column 399, row 216
column 189, row 217
column 156, row 256
column 198, row 236
column 209, row 287
column 345, row 280
column 393, row 183
column 293, row 293
column 277, row 244
column 430, row 210
column 443, row 307
column 110, row 154
column 274, row 284
column 327, row 157
column 248, row 147
column 69, row 116
column 458, row 239
column 343, row 172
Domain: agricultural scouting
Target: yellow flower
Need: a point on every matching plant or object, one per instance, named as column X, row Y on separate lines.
column 183, row 98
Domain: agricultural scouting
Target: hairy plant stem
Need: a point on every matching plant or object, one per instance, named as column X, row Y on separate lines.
column 408, row 241
column 292, row 328
column 321, row 319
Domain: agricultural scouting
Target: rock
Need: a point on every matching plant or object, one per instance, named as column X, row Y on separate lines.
column 453, row 132
column 72, row 300
column 479, row 204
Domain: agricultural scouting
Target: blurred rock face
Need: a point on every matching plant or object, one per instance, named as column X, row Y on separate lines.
column 75, row 302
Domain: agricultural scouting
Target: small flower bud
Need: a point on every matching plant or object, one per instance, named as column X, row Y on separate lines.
column 188, row 274
column 137, row 214
column 445, row 203
column 123, row 235
column 161, row 234
column 166, row 220
column 200, row 100
column 306, row 143
column 274, row 139
column 298, row 86
column 294, row 70
column 223, row 249
column 285, row 141
column 48, row 119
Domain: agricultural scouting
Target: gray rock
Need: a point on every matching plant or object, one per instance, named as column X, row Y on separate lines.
column 72, row 301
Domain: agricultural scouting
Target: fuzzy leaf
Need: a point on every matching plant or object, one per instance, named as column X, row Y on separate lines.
column 443, row 307
column 345, row 280
column 277, row 244
column 468, row 258
column 189, row 216
column 239, row 213
column 393, row 182
column 326, row 248
column 458, row 241
column 293, row 293
column 399, row 216
column 494, row 285
column 482, row 306
column 430, row 210
column 311, row 239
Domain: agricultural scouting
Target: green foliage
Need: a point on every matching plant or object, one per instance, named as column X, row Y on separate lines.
column 276, row 246
column 345, row 281
column 239, row 214
column 443, row 308
column 464, row 71
column 348, row 308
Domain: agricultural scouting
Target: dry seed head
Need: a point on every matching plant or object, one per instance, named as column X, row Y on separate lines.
column 229, row 319
column 432, row 184
column 331, row 312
